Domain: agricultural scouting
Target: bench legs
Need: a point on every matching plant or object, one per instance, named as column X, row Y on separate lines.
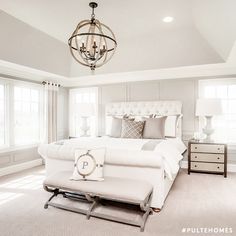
column 93, row 205
column 55, row 193
column 144, row 206
column 94, row 202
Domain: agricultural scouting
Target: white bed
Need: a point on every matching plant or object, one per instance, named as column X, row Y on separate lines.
column 126, row 157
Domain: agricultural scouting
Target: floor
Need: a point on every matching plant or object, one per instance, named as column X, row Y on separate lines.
column 195, row 202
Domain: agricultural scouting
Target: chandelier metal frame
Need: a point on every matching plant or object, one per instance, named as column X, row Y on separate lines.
column 98, row 47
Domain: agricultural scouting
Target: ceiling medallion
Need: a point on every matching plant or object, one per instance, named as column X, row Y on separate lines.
column 92, row 43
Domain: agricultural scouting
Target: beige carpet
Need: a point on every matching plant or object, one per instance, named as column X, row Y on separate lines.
column 197, row 200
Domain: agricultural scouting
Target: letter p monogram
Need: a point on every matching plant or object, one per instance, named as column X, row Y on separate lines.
column 85, row 163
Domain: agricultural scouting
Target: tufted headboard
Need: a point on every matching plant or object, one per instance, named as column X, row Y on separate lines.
column 145, row 109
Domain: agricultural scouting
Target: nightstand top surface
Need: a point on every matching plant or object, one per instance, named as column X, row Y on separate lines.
column 193, row 141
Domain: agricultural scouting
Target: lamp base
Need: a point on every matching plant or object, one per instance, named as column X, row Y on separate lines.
column 84, row 127
column 208, row 130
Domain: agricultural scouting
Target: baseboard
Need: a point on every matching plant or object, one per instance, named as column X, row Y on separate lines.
column 19, row 167
column 230, row 167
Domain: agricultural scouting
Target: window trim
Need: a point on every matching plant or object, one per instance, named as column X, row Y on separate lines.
column 216, row 82
column 72, row 93
column 6, row 115
column 9, row 113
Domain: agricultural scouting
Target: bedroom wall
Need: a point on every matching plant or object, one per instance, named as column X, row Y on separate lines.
column 185, row 90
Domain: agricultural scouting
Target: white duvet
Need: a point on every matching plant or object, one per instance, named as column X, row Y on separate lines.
column 167, row 153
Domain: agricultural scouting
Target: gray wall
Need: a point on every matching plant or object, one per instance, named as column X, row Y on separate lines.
column 185, row 90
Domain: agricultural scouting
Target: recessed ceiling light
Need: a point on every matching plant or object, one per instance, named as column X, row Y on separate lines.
column 168, row 19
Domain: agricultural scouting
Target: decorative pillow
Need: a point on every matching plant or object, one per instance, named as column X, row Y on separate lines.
column 89, row 164
column 154, row 128
column 116, row 126
column 132, row 129
column 171, row 125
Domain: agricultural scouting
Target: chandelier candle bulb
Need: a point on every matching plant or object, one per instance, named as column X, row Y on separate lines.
column 100, row 42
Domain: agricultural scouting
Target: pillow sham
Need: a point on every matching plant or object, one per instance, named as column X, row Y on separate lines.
column 89, row 164
column 132, row 129
column 171, row 125
column 154, row 128
column 116, row 126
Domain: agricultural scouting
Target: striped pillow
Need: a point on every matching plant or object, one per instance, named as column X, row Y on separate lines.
column 132, row 129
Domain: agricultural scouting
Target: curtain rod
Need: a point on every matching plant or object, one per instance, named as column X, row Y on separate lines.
column 51, row 83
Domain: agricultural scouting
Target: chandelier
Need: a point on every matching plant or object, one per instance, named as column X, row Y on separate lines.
column 92, row 43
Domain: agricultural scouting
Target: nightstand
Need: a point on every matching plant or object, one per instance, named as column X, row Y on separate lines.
column 207, row 157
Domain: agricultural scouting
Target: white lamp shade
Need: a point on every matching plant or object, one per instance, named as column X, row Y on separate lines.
column 86, row 109
column 208, row 107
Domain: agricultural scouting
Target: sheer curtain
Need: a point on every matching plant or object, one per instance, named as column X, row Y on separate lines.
column 224, row 89
column 51, row 98
column 82, row 96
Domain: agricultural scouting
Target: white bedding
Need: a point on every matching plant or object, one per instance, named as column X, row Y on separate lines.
column 122, row 151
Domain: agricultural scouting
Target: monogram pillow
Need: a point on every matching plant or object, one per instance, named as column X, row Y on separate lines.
column 132, row 129
column 89, row 164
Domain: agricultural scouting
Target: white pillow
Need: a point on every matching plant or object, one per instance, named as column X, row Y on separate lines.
column 89, row 164
column 171, row 125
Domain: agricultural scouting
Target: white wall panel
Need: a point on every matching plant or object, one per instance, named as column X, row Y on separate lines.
column 5, row 160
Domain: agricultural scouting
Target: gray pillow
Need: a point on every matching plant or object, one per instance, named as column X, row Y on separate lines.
column 154, row 128
column 116, row 126
column 132, row 129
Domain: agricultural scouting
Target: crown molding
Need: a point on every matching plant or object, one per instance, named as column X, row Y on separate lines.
column 199, row 71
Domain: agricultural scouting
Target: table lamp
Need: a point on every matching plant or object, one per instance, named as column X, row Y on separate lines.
column 208, row 107
column 85, row 110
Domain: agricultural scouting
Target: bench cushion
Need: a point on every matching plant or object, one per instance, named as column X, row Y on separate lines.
column 127, row 190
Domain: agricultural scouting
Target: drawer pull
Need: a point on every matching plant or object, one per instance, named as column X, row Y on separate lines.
column 218, row 167
column 195, row 147
column 218, row 148
column 195, row 156
column 195, row 166
column 218, row 158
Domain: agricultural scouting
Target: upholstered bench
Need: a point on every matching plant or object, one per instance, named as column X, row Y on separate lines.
column 122, row 190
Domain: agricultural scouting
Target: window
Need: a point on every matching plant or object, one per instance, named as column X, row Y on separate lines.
column 26, row 116
column 77, row 97
column 2, row 116
column 21, row 113
column 225, row 89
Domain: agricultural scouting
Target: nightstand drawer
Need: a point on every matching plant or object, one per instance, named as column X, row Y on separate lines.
column 207, row 157
column 200, row 166
column 207, row 148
